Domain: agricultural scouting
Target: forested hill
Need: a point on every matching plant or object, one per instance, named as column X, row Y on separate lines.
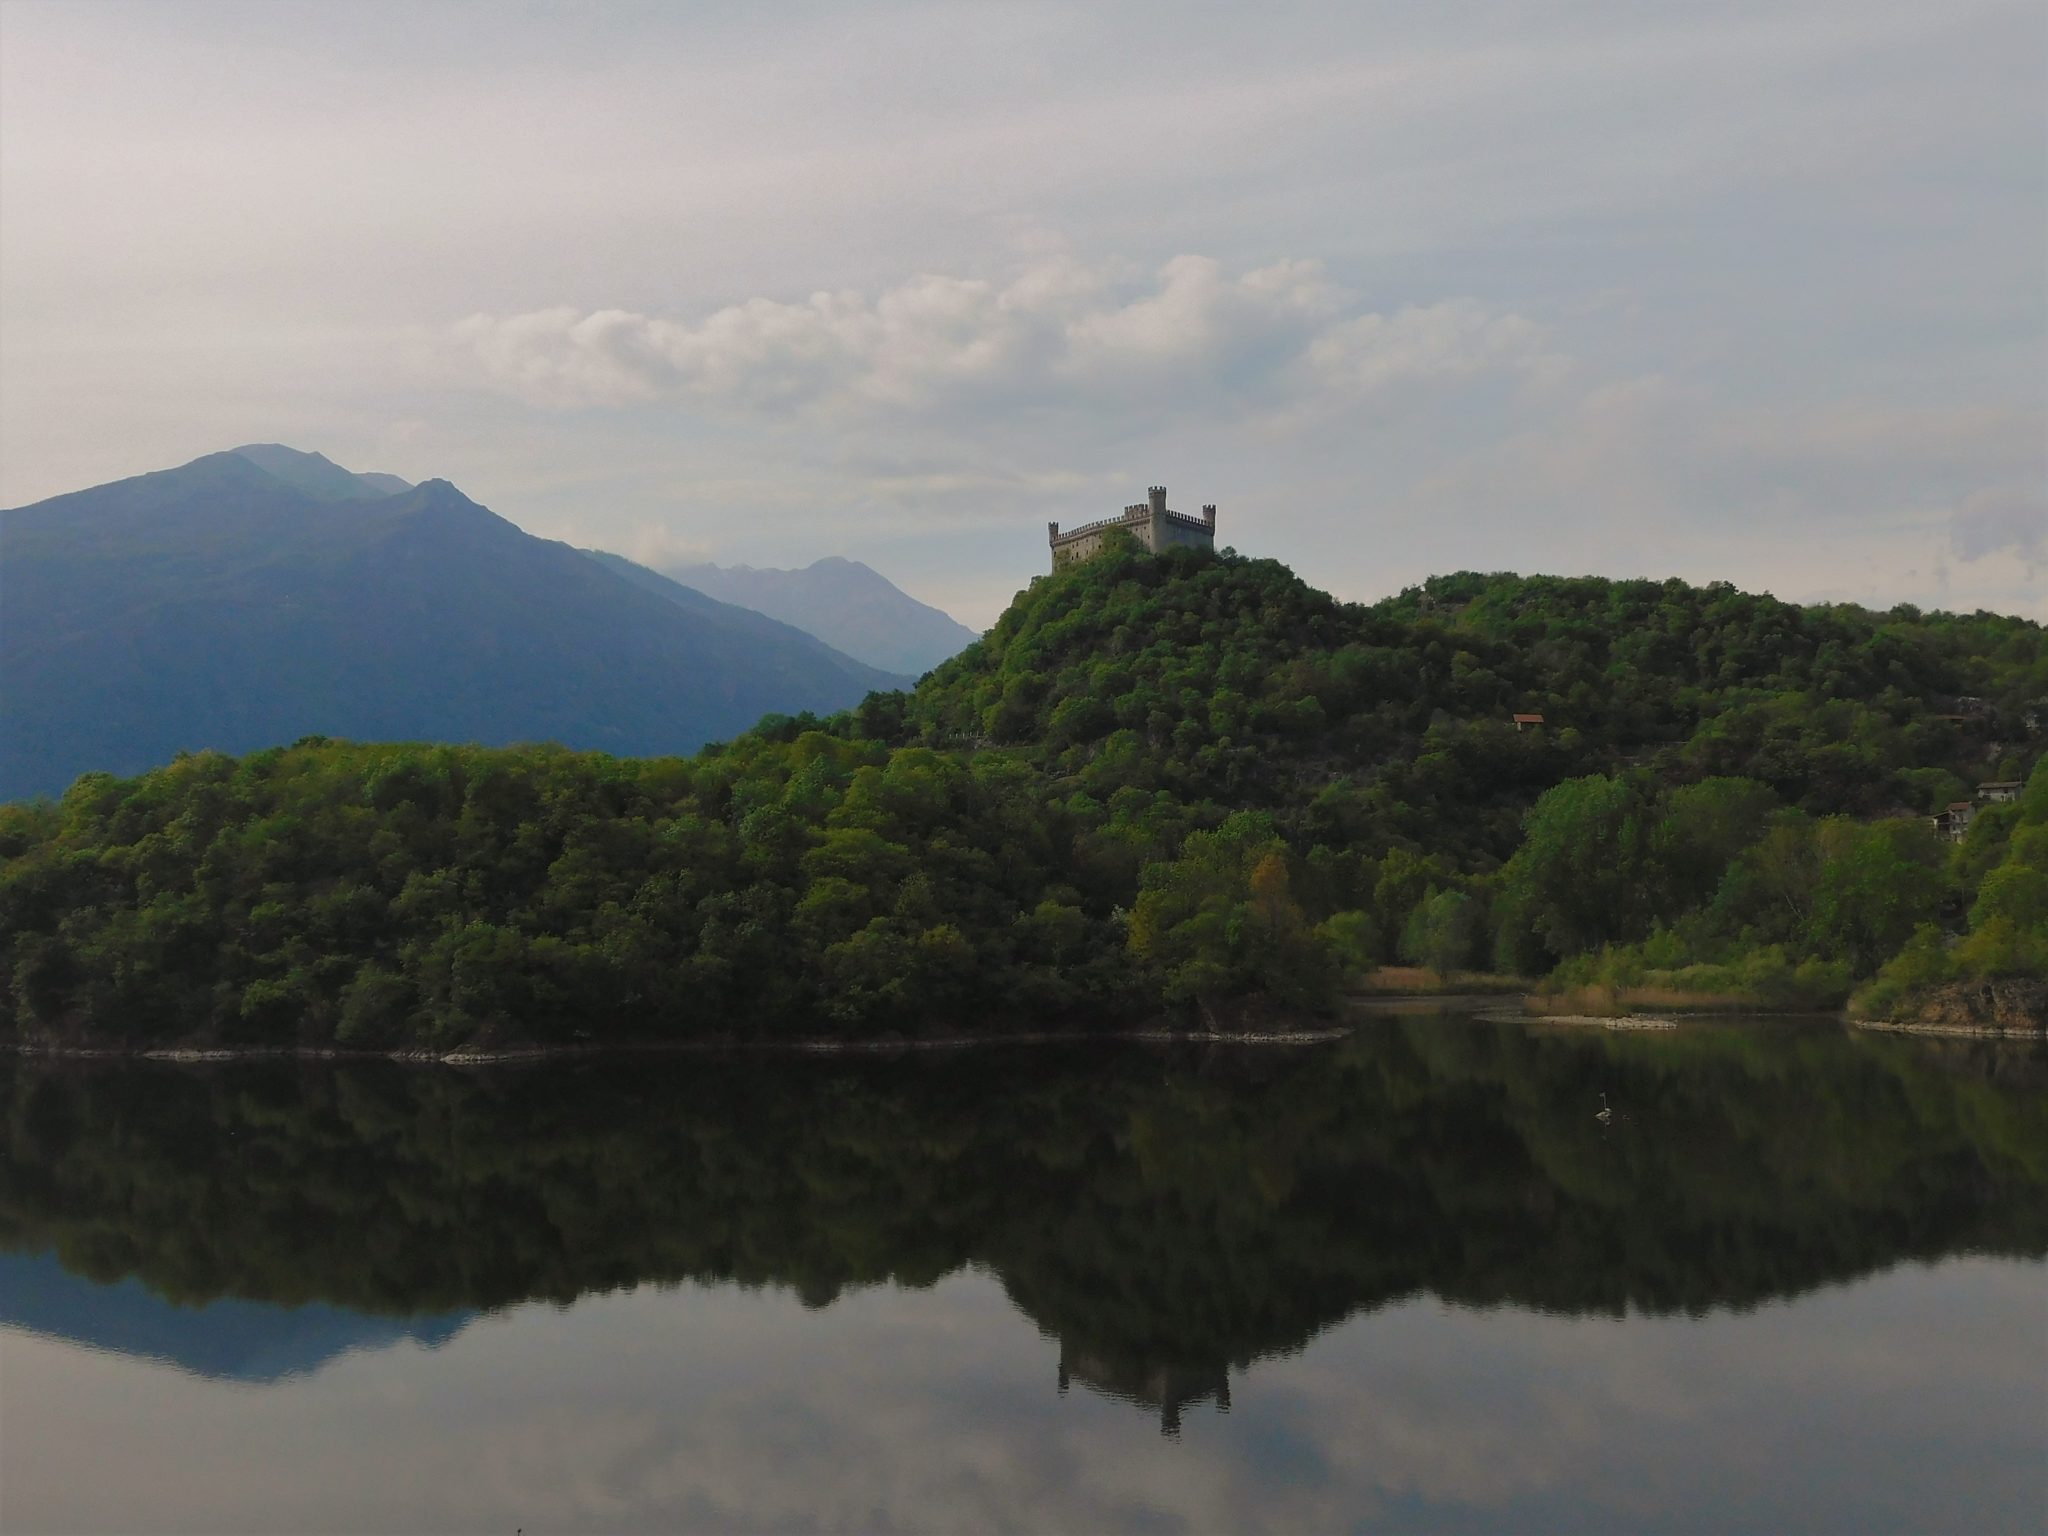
column 1157, row 785
column 1234, row 680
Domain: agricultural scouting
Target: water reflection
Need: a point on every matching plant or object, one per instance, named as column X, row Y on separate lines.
column 247, row 1341
column 1165, row 1217
column 1407, row 1280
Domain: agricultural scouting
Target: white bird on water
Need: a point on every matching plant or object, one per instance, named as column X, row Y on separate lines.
column 1605, row 1114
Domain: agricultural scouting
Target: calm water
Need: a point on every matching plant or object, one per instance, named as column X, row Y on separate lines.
column 1403, row 1281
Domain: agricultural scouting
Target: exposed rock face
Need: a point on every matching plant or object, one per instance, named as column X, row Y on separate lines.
column 2014, row 1006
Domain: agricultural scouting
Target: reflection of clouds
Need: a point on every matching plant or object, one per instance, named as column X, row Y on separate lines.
column 727, row 1409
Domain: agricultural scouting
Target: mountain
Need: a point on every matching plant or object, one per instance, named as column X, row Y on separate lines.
column 849, row 606
column 317, row 475
column 250, row 598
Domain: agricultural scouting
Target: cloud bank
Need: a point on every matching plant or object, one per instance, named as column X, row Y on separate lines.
column 1057, row 332
column 1748, row 291
column 2003, row 519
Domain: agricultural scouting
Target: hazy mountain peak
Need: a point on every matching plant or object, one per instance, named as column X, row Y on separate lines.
column 225, row 604
column 850, row 606
column 316, row 475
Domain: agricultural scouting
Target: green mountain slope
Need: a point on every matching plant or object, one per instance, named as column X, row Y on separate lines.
column 221, row 606
column 1190, row 785
column 1234, row 680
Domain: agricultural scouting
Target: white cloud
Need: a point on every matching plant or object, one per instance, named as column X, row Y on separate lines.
column 1791, row 250
column 2001, row 519
column 1058, row 331
column 1201, row 323
column 660, row 548
column 1457, row 339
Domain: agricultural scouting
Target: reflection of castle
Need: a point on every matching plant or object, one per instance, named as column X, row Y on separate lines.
column 1148, row 521
column 1169, row 1388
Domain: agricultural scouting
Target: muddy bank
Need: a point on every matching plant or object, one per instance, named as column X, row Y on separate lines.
column 2016, row 1006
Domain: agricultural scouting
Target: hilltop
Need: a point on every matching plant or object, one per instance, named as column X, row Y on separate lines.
column 1182, row 787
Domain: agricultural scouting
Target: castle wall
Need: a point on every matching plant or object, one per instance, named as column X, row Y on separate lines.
column 1077, row 549
column 1168, row 534
column 1149, row 522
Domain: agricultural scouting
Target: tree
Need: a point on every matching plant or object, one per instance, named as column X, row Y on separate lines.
column 1221, row 920
column 1578, row 879
column 1701, row 829
column 1877, row 885
column 1442, row 932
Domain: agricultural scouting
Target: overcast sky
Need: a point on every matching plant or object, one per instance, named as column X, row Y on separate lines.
column 1753, row 292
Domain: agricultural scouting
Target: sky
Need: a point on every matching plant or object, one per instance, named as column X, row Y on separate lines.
column 1743, row 292
column 1907, row 1400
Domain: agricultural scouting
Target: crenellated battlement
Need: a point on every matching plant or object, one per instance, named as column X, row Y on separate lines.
column 1151, row 522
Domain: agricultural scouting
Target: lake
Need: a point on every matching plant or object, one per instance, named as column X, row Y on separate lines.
column 1406, row 1280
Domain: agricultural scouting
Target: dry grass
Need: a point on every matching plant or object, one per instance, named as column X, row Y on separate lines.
column 1619, row 1000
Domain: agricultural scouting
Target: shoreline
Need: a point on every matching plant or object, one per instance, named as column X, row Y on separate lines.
column 1588, row 1020
column 463, row 1056
column 467, row 1056
column 1422, row 1002
column 1957, row 1031
column 1673, row 1020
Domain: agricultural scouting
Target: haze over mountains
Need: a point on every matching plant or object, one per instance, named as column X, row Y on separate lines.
column 848, row 605
column 252, row 597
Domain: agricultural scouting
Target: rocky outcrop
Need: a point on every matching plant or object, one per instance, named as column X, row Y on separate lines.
column 2016, row 1006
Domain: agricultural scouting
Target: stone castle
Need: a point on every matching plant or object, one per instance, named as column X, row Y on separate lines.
column 1149, row 522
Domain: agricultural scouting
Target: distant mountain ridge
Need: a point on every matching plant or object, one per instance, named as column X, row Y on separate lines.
column 252, row 597
column 850, row 606
column 317, row 475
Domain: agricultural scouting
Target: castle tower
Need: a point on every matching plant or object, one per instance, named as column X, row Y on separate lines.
column 1151, row 522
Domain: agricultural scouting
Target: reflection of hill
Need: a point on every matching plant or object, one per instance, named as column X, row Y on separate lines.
column 234, row 1340
column 1167, row 1214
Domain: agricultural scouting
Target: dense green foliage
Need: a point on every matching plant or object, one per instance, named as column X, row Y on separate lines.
column 1159, row 1210
column 1794, row 911
column 2007, row 850
column 1156, row 784
column 375, row 896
